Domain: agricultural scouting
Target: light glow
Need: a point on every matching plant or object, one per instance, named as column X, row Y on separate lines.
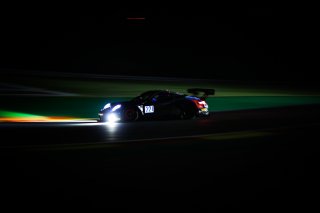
column 112, row 117
column 116, row 107
column 200, row 104
column 203, row 103
column 108, row 105
column 112, row 128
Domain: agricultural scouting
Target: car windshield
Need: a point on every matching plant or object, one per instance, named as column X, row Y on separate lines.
column 145, row 96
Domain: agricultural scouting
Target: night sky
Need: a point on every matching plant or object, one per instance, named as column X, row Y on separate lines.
column 220, row 43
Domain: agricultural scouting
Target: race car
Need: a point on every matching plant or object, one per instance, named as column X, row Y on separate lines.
column 158, row 104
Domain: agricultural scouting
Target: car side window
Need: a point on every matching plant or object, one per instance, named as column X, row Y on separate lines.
column 162, row 98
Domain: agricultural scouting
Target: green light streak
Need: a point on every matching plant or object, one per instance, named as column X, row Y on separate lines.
column 92, row 95
column 10, row 114
column 87, row 107
column 258, row 102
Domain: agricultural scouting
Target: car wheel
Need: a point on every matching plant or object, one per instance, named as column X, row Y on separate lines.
column 186, row 114
column 130, row 114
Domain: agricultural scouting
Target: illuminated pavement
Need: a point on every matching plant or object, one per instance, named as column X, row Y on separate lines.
column 253, row 160
column 92, row 132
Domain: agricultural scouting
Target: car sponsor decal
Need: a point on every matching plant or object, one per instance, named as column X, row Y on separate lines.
column 149, row 109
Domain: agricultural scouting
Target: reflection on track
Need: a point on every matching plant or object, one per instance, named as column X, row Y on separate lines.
column 13, row 134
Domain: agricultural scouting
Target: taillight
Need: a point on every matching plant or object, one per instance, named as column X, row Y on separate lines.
column 200, row 104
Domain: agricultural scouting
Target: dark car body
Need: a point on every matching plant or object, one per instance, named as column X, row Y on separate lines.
column 157, row 104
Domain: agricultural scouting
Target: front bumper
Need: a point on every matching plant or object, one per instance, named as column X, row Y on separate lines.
column 109, row 116
column 101, row 115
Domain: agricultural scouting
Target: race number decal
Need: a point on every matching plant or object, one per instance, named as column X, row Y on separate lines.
column 149, row 109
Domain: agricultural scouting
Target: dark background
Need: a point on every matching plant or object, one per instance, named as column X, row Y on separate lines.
column 233, row 42
column 277, row 171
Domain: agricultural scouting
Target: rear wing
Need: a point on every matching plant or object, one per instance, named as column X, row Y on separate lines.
column 205, row 92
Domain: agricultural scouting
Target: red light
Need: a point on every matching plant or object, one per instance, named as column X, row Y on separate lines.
column 136, row 18
column 200, row 104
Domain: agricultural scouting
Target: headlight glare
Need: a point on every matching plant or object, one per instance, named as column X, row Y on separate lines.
column 112, row 117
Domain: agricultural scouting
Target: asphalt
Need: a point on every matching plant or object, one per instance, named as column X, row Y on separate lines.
column 91, row 132
column 259, row 160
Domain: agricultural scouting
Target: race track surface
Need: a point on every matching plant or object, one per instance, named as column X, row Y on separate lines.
column 16, row 134
column 259, row 160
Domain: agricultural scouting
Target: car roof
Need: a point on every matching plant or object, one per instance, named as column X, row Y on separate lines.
column 162, row 92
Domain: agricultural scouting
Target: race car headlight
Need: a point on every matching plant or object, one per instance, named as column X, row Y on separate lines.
column 116, row 107
column 112, row 117
column 108, row 105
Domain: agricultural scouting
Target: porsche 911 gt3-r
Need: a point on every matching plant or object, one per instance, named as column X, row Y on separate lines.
column 158, row 104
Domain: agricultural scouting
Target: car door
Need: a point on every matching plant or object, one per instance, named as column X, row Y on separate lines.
column 155, row 106
column 162, row 104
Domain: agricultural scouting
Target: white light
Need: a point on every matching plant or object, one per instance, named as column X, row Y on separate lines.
column 116, row 107
column 141, row 108
column 108, row 105
column 112, row 117
column 112, row 128
column 203, row 103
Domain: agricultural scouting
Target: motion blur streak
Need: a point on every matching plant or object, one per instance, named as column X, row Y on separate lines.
column 8, row 116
